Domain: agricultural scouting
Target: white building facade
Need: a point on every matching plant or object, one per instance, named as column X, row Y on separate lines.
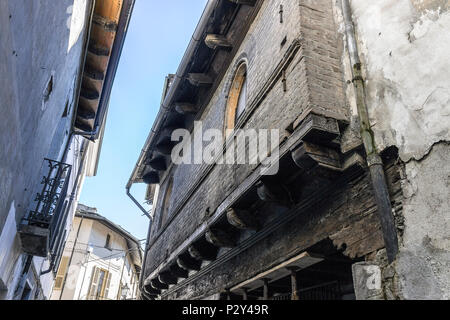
column 101, row 261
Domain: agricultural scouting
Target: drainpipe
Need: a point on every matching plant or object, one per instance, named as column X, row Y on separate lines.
column 374, row 161
column 23, row 277
column 71, row 258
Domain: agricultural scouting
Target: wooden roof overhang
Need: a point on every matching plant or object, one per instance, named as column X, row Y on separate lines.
column 215, row 42
column 106, row 36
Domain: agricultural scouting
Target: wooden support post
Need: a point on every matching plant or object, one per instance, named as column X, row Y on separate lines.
column 294, row 286
column 266, row 289
column 245, row 294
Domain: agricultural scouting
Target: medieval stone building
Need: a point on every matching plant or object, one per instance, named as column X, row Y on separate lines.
column 358, row 208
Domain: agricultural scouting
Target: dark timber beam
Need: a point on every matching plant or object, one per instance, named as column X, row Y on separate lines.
column 104, row 23
column 294, row 287
column 93, row 74
column 217, row 41
column 186, row 108
column 151, row 178
column 245, row 2
column 266, row 289
column 179, row 272
column 242, row 219
column 165, row 147
column 308, row 155
column 157, row 284
column 85, row 114
column 188, row 263
column 273, row 192
column 168, row 278
column 199, row 79
column 83, row 125
column 89, row 94
column 98, row 50
column 158, row 164
column 220, row 238
column 202, row 252
column 150, row 290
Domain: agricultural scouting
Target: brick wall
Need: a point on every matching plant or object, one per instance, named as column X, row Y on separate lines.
column 314, row 83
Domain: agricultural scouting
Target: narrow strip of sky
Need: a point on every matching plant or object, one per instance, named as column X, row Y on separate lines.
column 158, row 36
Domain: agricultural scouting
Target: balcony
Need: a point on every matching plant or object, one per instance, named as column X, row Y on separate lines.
column 40, row 231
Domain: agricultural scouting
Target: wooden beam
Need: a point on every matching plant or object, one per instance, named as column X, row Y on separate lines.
column 186, row 108
column 158, row 164
column 215, row 41
column 85, row 114
column 89, row 94
column 179, row 272
column 242, row 219
column 308, row 155
column 188, row 263
column 199, row 79
column 245, row 294
column 273, row 192
column 202, row 253
column 98, row 50
column 294, row 288
column 165, row 147
column 220, row 238
column 83, row 125
column 151, row 178
column 245, row 2
column 104, row 23
column 266, row 289
column 93, row 74
column 168, row 278
column 150, row 290
column 157, row 284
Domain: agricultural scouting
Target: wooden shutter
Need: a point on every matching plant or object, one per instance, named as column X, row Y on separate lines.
column 107, row 285
column 94, row 284
column 59, row 280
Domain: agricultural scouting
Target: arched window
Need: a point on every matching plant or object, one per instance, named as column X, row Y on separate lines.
column 166, row 205
column 237, row 97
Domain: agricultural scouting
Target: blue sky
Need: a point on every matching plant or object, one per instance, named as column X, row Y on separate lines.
column 157, row 39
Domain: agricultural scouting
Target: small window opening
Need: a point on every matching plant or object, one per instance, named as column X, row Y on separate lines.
column 108, row 242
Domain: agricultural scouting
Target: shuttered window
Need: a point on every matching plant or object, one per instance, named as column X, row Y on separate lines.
column 59, row 280
column 100, row 284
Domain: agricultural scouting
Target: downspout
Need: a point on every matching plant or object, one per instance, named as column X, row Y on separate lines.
column 374, row 161
column 144, row 261
column 71, row 258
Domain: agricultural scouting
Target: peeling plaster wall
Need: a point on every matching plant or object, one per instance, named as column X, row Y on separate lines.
column 404, row 46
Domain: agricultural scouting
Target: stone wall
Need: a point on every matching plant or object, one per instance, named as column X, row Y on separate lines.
column 404, row 46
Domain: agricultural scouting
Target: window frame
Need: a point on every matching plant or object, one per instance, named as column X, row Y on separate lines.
column 240, row 80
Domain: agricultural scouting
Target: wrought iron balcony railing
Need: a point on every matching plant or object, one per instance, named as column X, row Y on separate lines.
column 41, row 228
